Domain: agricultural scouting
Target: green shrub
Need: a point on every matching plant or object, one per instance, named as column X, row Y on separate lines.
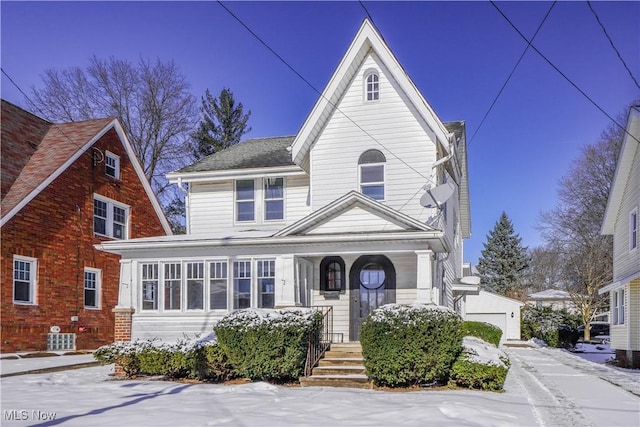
column 124, row 353
column 485, row 331
column 551, row 326
column 406, row 345
column 480, row 366
column 269, row 345
column 215, row 365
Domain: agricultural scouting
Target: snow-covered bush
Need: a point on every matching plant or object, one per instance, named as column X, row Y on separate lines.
column 555, row 327
column 266, row 344
column 410, row 344
column 186, row 358
column 485, row 331
column 481, row 365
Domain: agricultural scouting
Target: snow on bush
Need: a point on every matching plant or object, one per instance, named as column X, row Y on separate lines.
column 481, row 365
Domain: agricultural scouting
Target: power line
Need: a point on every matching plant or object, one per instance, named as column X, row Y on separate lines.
column 320, row 93
column 612, row 44
column 561, row 73
column 366, row 11
column 35, row 106
column 510, row 75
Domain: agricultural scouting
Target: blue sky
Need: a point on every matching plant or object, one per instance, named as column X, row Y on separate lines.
column 457, row 53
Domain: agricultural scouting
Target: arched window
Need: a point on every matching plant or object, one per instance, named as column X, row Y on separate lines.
column 332, row 277
column 371, row 174
column 372, row 87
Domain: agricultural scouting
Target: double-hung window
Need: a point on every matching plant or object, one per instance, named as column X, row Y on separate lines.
column 273, row 199
column 150, row 286
column 24, row 280
column 618, row 306
column 245, row 200
column 266, row 283
column 92, row 282
column 218, row 285
column 372, row 87
column 241, row 284
column 172, row 285
column 371, row 173
column 633, row 230
column 112, row 165
column 110, row 218
column 195, row 285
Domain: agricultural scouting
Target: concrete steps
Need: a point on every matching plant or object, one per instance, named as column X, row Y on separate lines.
column 341, row 366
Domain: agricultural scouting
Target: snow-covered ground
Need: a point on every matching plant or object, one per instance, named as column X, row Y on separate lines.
column 545, row 387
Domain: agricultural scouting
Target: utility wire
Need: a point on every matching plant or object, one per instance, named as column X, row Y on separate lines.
column 366, row 11
column 561, row 73
column 510, row 75
column 604, row 30
column 35, row 106
column 320, row 93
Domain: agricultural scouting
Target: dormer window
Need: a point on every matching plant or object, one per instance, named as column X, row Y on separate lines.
column 371, row 174
column 372, row 86
column 112, row 165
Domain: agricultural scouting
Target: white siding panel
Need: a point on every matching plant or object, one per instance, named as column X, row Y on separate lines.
column 210, row 207
column 391, row 126
column 340, row 311
column 169, row 328
column 353, row 221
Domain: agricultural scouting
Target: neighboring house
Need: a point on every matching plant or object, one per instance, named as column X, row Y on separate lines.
column 621, row 221
column 65, row 188
column 554, row 298
column 495, row 309
column 329, row 217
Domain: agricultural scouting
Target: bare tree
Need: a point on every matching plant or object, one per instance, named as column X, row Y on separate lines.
column 572, row 229
column 151, row 100
column 544, row 271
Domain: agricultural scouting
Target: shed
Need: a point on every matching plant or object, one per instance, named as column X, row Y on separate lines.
column 496, row 309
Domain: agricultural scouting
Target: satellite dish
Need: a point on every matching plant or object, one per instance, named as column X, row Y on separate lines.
column 436, row 196
column 470, row 280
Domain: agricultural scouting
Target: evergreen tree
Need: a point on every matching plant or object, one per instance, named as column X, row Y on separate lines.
column 222, row 124
column 504, row 260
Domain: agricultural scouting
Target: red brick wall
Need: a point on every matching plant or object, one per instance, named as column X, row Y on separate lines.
column 56, row 227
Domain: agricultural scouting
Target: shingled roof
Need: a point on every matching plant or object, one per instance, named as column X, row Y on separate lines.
column 33, row 149
column 249, row 154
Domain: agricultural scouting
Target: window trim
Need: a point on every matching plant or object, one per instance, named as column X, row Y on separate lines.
column 33, row 279
column 369, row 159
column 97, row 290
column 633, row 229
column 375, row 91
column 187, row 278
column 237, row 201
column 618, row 300
column 265, row 181
column 324, row 270
column 108, row 155
column 109, row 219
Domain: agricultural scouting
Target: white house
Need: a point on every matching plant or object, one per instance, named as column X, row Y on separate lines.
column 555, row 298
column 621, row 221
column 335, row 216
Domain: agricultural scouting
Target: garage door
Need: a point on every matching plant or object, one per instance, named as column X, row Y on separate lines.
column 496, row 319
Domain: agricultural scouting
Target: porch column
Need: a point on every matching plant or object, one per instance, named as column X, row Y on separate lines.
column 424, row 276
column 285, row 281
column 126, row 297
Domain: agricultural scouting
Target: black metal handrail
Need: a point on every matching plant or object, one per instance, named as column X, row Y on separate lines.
column 319, row 343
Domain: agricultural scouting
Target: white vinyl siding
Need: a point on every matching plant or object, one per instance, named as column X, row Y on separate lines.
column 404, row 141
column 355, row 220
column 211, row 206
column 626, row 262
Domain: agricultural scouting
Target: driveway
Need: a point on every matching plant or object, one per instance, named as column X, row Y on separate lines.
column 563, row 390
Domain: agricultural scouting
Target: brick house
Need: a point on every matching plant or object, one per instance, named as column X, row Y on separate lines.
column 65, row 188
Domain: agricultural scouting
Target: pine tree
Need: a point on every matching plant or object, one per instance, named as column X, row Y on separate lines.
column 222, row 125
column 504, row 260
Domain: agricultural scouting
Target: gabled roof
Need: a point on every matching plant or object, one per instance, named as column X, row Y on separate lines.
column 630, row 150
column 367, row 40
column 34, row 158
column 348, row 202
column 550, row 294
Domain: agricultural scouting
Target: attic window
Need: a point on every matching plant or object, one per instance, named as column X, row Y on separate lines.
column 112, row 165
column 372, row 86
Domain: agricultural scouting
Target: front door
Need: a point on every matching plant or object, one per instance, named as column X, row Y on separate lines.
column 372, row 283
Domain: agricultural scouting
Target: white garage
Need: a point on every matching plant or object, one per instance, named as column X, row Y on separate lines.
column 496, row 309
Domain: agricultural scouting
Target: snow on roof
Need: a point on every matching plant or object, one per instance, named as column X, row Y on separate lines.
column 550, row 294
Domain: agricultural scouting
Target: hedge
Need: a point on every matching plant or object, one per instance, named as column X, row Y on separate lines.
column 481, row 365
column 485, row 331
